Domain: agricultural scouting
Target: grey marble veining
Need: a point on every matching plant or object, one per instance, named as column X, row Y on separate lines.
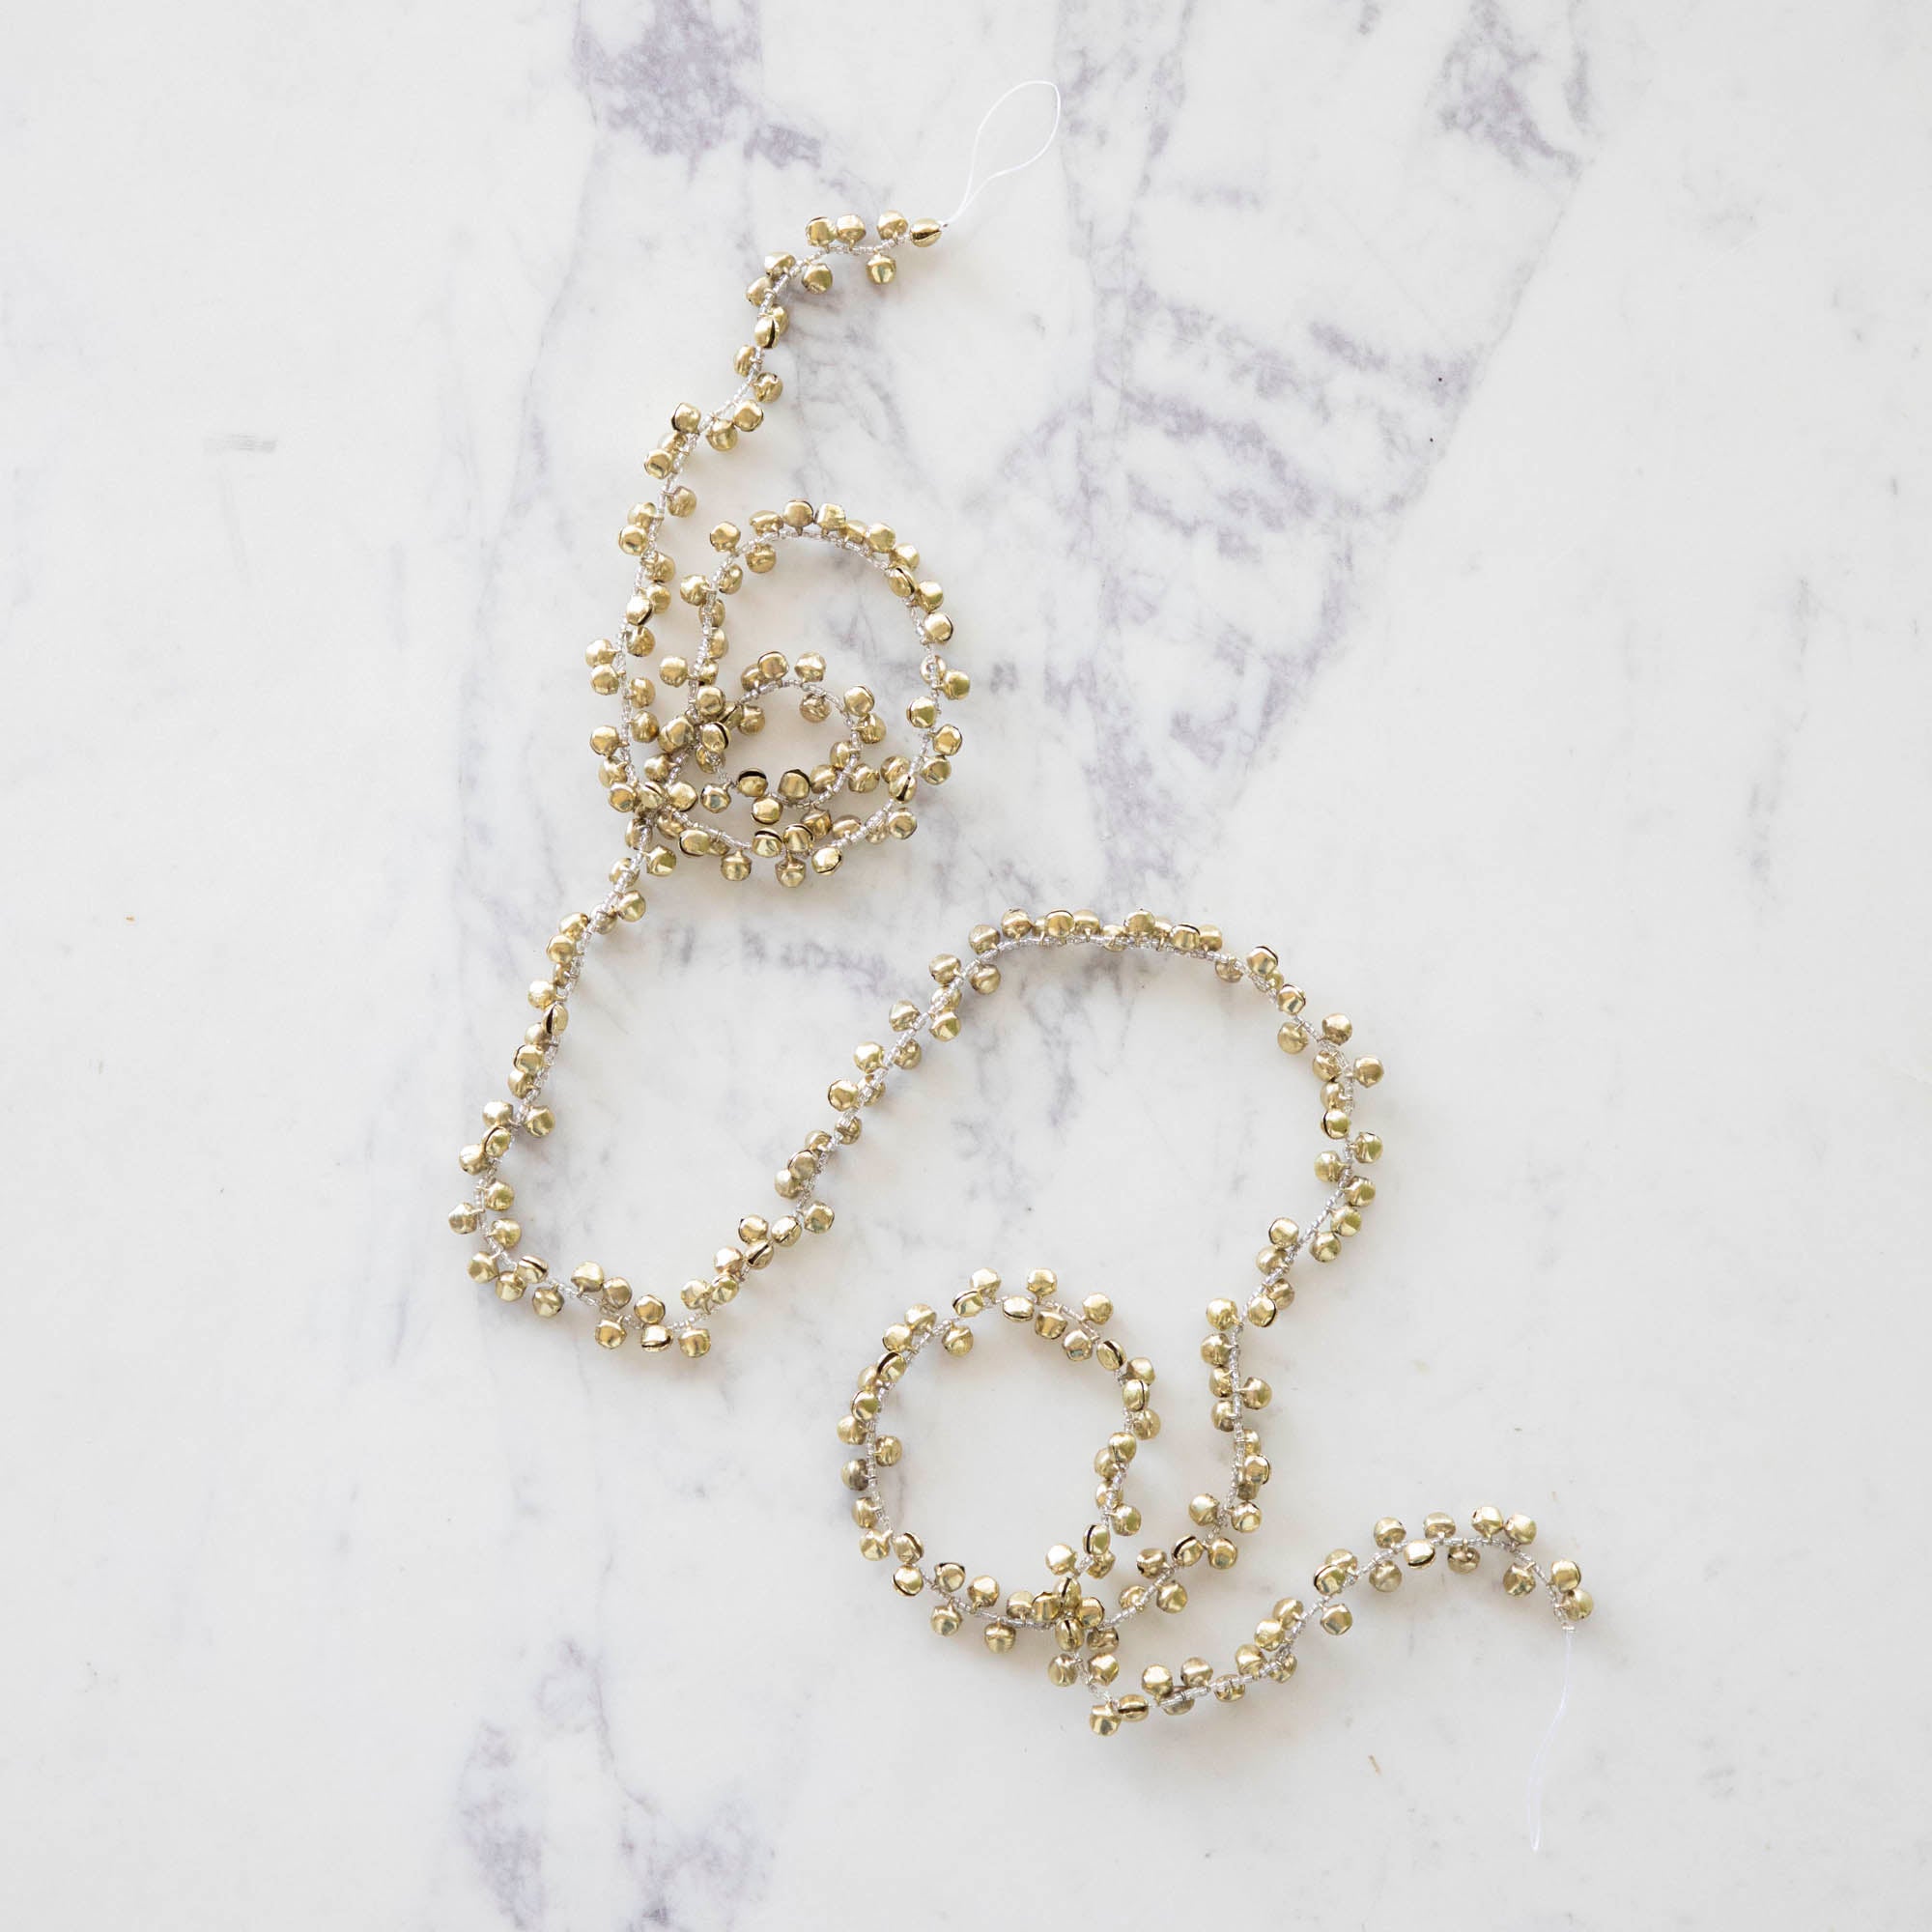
column 1440, row 490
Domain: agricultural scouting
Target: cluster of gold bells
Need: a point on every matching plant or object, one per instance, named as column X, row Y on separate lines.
column 672, row 766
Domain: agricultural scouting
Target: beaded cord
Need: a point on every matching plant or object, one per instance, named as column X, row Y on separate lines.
column 666, row 771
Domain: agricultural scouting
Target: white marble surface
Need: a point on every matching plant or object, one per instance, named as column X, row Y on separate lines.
column 1440, row 488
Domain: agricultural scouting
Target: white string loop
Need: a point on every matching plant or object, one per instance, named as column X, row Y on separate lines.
column 974, row 187
column 1533, row 1798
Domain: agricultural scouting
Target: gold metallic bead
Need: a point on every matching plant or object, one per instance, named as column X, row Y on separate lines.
column 958, row 1339
column 1170, row 1597
column 1520, row 1529
column 888, row 1451
column 1104, row 1667
column 1158, row 1681
column 907, row 1580
column 1463, row 1557
column 1577, row 1605
column 1063, row 1669
column 1337, row 1619
column 1336, row 1573
column 1000, row 1637
column 1519, row 1579
column 925, row 233
column 1564, row 1574
column 1389, row 1532
column 609, row 1334
column 548, row 1299
column 983, row 1593
column 1436, row 1527
column 1385, row 1576
column 1418, row 1555
column 1103, row 1720
column 1487, row 1521
column 539, row 1121
column 1196, row 1673
column 946, row 1621
column 1290, row 1037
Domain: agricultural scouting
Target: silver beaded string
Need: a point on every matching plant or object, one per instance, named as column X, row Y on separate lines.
column 1086, row 1633
column 647, row 764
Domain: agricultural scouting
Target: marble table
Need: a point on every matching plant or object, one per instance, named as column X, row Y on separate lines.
column 1439, row 490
